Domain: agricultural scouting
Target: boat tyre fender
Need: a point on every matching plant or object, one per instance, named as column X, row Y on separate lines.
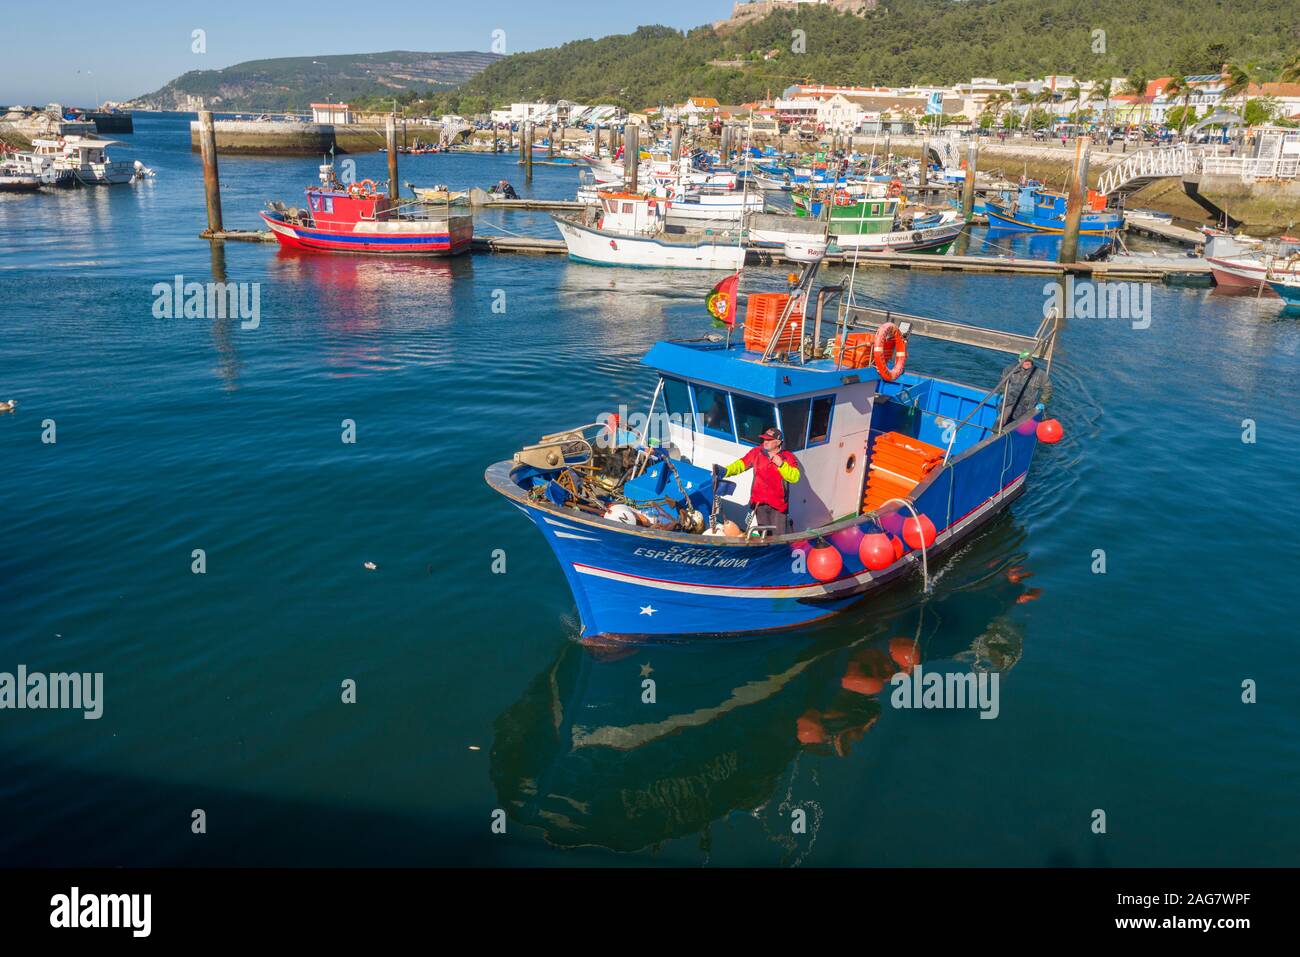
column 917, row 237
column 889, row 339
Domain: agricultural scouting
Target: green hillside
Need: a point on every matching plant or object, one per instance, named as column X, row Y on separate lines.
column 901, row 41
column 287, row 83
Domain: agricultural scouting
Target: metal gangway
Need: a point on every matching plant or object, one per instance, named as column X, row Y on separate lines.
column 946, row 150
column 1146, row 166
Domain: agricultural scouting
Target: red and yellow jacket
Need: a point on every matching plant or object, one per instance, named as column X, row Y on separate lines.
column 769, row 478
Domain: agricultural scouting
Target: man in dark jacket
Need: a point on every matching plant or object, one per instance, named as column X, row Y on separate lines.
column 1027, row 387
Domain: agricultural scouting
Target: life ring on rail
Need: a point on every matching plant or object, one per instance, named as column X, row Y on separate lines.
column 889, row 344
column 842, row 198
column 365, row 186
column 895, row 188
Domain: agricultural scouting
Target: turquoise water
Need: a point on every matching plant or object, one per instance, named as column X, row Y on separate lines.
column 1119, row 692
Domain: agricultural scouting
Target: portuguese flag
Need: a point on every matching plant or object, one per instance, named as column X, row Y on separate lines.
column 722, row 300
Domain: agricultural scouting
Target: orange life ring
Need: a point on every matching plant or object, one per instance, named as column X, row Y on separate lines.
column 889, row 344
column 895, row 188
column 842, row 198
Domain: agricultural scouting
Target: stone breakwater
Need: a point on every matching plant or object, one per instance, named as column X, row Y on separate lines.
column 278, row 138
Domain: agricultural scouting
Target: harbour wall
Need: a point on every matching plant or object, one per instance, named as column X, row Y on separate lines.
column 1262, row 207
column 278, row 138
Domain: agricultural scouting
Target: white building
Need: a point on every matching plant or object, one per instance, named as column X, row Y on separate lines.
column 331, row 113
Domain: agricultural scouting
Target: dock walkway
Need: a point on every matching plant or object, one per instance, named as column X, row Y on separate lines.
column 1153, row 272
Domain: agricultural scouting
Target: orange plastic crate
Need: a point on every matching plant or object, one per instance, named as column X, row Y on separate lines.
column 857, row 350
column 898, row 464
column 762, row 313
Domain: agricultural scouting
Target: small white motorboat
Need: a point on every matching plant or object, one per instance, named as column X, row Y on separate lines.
column 628, row 229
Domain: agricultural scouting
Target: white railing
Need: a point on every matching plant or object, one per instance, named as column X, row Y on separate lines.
column 1147, row 165
column 1253, row 168
column 1184, row 160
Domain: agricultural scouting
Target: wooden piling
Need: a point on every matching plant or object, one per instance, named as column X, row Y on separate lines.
column 968, row 187
column 613, row 142
column 631, row 156
column 677, row 140
column 211, row 178
column 1074, row 202
column 550, row 141
column 528, row 153
column 390, row 131
column 925, row 163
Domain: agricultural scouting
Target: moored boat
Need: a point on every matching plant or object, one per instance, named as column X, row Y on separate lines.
column 74, row 160
column 895, row 469
column 1288, row 288
column 1043, row 211
column 1246, row 266
column 629, row 229
column 358, row 218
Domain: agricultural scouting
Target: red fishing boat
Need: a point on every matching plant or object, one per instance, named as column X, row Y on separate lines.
column 358, row 218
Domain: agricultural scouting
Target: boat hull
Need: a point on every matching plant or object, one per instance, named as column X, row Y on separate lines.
column 453, row 238
column 629, row 583
column 1289, row 293
column 1088, row 225
column 616, row 249
column 932, row 239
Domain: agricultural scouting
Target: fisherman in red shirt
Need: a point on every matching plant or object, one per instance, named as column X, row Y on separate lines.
column 773, row 468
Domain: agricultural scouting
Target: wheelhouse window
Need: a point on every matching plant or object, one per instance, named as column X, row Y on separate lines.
column 794, row 424
column 819, row 426
column 677, row 402
column 753, row 417
column 714, row 411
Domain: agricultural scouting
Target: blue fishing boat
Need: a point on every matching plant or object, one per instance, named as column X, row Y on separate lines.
column 1287, row 288
column 896, row 468
column 1041, row 210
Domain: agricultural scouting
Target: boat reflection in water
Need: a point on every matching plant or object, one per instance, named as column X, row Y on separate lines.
column 584, row 758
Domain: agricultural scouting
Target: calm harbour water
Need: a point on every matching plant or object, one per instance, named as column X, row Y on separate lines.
column 1119, row 692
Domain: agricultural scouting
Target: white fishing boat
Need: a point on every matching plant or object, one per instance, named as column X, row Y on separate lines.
column 629, row 229
column 75, row 159
column 15, row 180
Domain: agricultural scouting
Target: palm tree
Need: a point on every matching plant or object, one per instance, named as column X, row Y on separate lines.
column 1076, row 94
column 1291, row 71
column 1102, row 90
column 1179, row 87
column 1137, row 84
column 996, row 103
column 1237, row 79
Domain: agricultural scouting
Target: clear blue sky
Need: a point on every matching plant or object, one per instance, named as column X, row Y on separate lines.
column 125, row 50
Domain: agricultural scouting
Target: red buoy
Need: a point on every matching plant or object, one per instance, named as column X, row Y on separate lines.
column 899, row 548
column 809, row 728
column 919, row 533
column 858, row 682
column 876, row 551
column 825, row 563
column 904, row 652
column 847, row 539
column 1050, row 431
